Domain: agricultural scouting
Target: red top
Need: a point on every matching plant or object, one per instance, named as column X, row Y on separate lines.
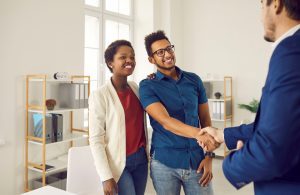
column 134, row 119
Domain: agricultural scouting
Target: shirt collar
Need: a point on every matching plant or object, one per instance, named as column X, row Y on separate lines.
column 285, row 35
column 160, row 75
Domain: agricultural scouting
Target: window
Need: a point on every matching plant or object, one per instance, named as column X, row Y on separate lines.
column 115, row 29
column 105, row 21
column 92, row 49
column 94, row 3
column 118, row 6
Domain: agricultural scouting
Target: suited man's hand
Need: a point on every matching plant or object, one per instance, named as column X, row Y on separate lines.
column 217, row 134
column 207, row 142
column 110, row 187
column 239, row 145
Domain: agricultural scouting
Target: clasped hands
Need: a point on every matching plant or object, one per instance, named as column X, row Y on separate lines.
column 210, row 138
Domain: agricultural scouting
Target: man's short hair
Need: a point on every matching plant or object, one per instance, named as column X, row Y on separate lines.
column 151, row 38
column 111, row 50
column 292, row 7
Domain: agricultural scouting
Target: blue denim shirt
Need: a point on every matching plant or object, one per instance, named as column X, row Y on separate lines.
column 181, row 98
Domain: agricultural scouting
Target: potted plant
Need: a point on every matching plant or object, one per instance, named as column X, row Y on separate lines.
column 251, row 107
column 50, row 103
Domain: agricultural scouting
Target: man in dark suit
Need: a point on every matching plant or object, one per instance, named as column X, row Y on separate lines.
column 268, row 152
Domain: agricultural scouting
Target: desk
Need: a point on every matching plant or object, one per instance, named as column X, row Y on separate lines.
column 48, row 190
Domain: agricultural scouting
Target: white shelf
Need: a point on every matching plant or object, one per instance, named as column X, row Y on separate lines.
column 218, row 100
column 60, row 81
column 59, row 165
column 59, row 110
column 213, row 80
column 72, row 137
column 220, row 120
column 49, row 80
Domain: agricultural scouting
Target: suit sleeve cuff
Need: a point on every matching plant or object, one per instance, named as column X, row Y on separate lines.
column 229, row 176
column 229, row 139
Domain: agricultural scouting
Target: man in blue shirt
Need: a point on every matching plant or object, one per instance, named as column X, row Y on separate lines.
column 176, row 103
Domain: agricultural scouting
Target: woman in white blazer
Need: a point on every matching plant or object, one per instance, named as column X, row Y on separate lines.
column 118, row 133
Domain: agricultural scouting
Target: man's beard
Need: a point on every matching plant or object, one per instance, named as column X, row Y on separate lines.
column 268, row 39
column 270, row 33
column 165, row 68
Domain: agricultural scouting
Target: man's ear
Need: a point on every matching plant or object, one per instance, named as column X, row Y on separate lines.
column 278, row 6
column 151, row 60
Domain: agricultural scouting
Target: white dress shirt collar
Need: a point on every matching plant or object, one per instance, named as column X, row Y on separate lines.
column 285, row 35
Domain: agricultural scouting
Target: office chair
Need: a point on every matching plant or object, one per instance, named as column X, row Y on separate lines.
column 82, row 177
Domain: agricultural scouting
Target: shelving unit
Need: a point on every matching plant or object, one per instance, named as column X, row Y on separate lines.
column 74, row 134
column 60, row 110
column 58, row 164
column 221, row 109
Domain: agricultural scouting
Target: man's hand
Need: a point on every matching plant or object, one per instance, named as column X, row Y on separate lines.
column 110, row 187
column 206, row 168
column 207, row 142
column 239, row 145
column 217, row 134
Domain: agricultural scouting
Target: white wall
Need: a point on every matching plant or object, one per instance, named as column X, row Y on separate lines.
column 143, row 25
column 37, row 37
column 226, row 38
column 150, row 16
column 169, row 18
column 176, row 35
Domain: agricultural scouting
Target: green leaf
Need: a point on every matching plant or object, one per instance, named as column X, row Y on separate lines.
column 252, row 106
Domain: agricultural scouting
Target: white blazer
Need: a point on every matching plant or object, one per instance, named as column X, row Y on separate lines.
column 108, row 131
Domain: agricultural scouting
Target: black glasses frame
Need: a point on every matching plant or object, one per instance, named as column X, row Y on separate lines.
column 161, row 52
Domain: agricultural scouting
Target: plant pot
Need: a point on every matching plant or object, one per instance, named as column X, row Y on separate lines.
column 50, row 107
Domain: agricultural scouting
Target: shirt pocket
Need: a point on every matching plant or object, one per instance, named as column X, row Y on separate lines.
column 191, row 97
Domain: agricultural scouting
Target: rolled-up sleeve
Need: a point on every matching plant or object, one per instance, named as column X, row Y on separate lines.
column 202, row 98
column 147, row 95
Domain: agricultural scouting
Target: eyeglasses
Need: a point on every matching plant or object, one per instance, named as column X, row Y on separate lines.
column 161, row 52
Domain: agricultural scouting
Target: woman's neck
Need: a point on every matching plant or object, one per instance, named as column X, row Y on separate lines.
column 119, row 82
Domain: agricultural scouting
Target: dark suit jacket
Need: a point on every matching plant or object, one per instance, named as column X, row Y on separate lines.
column 271, row 154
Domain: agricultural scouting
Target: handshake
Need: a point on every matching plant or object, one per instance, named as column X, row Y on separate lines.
column 210, row 138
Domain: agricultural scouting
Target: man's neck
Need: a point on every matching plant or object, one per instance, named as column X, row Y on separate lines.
column 285, row 26
column 170, row 73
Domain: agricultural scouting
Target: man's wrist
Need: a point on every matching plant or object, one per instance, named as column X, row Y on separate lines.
column 220, row 134
column 222, row 130
column 195, row 133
